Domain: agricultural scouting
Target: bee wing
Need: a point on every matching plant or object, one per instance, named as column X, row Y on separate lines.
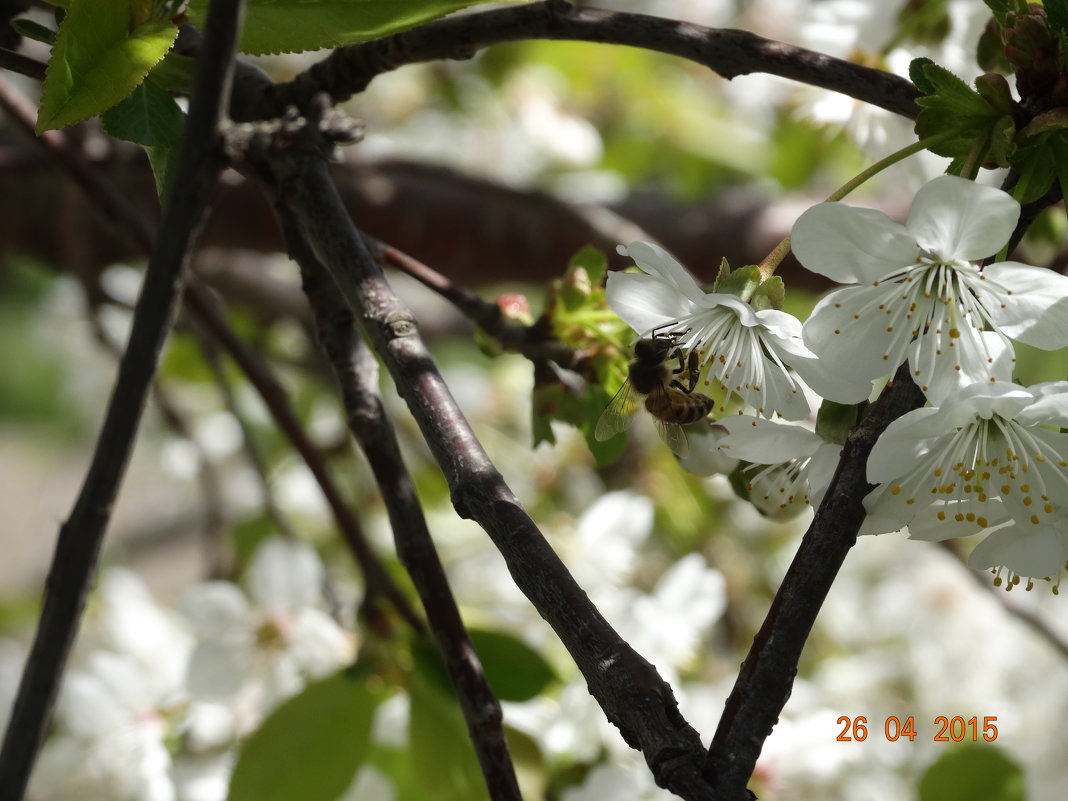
column 674, row 436
column 618, row 413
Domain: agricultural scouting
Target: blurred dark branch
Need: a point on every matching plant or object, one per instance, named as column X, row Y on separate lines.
column 204, row 309
column 730, row 53
column 208, row 477
column 24, row 65
column 635, row 698
column 767, row 675
column 81, row 537
column 357, row 375
column 209, row 348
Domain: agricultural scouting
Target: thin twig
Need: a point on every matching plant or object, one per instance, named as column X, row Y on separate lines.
column 357, row 375
column 764, row 682
column 288, row 159
column 81, row 537
column 214, row 520
column 729, row 53
column 533, row 341
column 210, row 352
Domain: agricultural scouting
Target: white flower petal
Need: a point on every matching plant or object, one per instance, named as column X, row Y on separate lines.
column 645, row 302
column 851, row 245
column 834, row 333
column 1035, row 551
column 819, row 374
column 285, row 575
column 319, row 644
column 704, row 457
column 217, row 672
column 216, row 609
column 903, row 443
column 1036, row 309
column 766, row 442
column 1050, row 407
column 821, row 470
column 656, row 261
column 960, row 219
column 944, row 359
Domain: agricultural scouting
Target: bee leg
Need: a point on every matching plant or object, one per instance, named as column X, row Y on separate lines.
column 693, row 365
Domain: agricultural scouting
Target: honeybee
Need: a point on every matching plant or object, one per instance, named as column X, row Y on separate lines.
column 650, row 377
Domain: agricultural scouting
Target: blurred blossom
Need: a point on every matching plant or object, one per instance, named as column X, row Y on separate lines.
column 667, row 625
column 268, row 644
column 629, row 781
column 370, row 784
column 112, row 731
column 203, row 777
column 603, row 552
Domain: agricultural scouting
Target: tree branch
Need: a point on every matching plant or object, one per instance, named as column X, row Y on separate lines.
column 729, row 53
column 16, row 62
column 80, row 538
column 288, row 159
column 357, row 375
column 535, row 341
column 767, row 675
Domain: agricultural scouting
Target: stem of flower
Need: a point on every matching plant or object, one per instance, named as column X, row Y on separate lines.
column 772, row 261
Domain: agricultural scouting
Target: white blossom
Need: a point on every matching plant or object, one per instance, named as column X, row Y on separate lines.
column 919, row 296
column 756, row 354
column 271, row 647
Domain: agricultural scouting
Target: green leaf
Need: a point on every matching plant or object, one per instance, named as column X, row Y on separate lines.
column 1056, row 14
column 97, row 60
column 973, row 771
column 918, row 77
column 979, row 132
column 311, row 746
column 443, row 759
column 149, row 117
column 1001, row 8
column 514, row 670
column 174, row 73
column 290, row 26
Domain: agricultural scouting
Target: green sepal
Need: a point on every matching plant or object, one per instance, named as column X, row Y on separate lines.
column 742, row 282
column 1039, row 157
column 723, row 272
column 769, row 295
column 1000, row 9
column 979, row 131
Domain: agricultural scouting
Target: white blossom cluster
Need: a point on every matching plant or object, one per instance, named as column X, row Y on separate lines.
column 158, row 698
column 986, row 455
